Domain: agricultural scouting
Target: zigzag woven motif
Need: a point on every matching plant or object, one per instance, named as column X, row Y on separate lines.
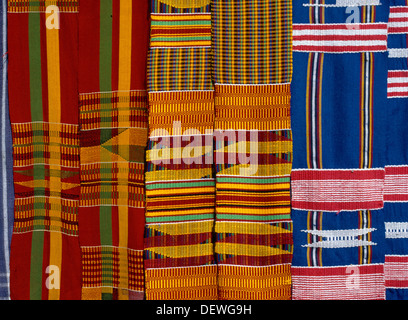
column 180, row 186
column 113, row 117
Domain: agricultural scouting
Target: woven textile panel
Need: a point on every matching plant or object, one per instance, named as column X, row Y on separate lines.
column 339, row 136
column 180, row 184
column 253, row 148
column 396, row 170
column 113, row 43
column 43, row 68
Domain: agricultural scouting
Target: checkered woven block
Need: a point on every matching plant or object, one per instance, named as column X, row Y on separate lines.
column 252, row 41
column 253, row 147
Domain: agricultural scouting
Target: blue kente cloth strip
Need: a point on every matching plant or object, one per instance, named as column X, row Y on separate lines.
column 339, row 100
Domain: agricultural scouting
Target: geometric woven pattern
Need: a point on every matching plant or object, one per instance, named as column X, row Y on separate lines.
column 113, row 119
column 45, row 255
column 253, row 148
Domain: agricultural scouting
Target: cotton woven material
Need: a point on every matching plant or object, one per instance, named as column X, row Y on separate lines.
column 43, row 68
column 6, row 172
column 180, row 185
column 339, row 141
column 253, row 148
column 113, row 43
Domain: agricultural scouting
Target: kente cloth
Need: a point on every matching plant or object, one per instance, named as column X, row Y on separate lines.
column 396, row 169
column 45, row 260
column 253, row 148
column 180, row 183
column 113, row 44
column 339, row 110
column 6, row 166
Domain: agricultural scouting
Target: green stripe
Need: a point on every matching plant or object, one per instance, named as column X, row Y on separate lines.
column 180, row 185
column 105, row 83
column 105, row 50
column 189, row 217
column 36, row 281
column 253, row 181
column 36, row 107
column 34, row 44
column 252, row 217
column 105, row 224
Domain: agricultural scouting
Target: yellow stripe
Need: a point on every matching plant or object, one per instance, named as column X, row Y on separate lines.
column 248, row 228
column 125, row 61
column 254, row 211
column 54, row 116
column 247, row 250
column 161, row 192
column 195, row 250
column 125, row 44
column 184, row 228
column 178, row 213
column 247, row 186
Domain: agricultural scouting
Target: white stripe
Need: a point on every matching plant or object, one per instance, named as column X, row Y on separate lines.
column 398, row 53
column 396, row 230
column 3, row 146
column 340, row 32
column 314, row 112
column 366, row 111
column 397, row 80
column 398, row 89
column 339, row 43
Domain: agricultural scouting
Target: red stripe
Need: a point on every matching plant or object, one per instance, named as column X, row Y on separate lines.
column 403, row 170
column 398, row 30
column 398, row 259
column 338, row 271
column 397, row 19
column 115, row 44
column 332, row 37
column 397, row 94
column 374, row 26
column 396, row 197
column 71, row 268
column 397, row 85
column 397, row 74
column 396, row 283
column 402, row 9
column 140, row 43
column 136, row 227
column 68, row 38
column 19, row 66
column 44, row 69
